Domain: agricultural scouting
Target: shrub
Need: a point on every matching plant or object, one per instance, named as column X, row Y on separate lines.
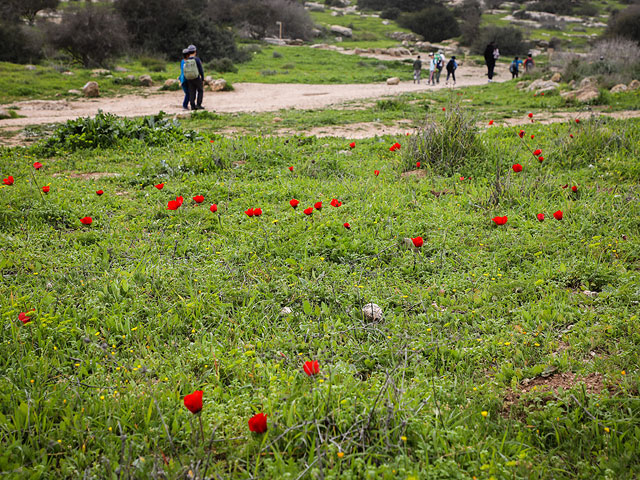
column 20, row 44
column 106, row 130
column 402, row 5
column 91, row 35
column 154, row 64
column 448, row 146
column 625, row 24
column 27, row 9
column 222, row 65
column 508, row 39
column 435, row 23
column 390, row 13
column 469, row 13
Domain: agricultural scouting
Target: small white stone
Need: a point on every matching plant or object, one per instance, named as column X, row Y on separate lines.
column 285, row 311
column 372, row 312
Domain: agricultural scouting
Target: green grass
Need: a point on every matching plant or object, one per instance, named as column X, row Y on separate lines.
column 147, row 304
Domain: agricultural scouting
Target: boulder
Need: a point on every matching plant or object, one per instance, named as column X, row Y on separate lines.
column 99, row 72
column 30, row 67
column 171, row 82
column 145, row 81
column 74, row 92
column 540, row 85
column 67, row 73
column 340, row 30
column 120, row 70
column 91, row 89
column 556, row 77
column 588, row 81
column 634, row 85
column 208, row 80
column 274, row 41
column 218, row 85
column 587, row 94
column 621, row 87
column 521, row 85
column 360, row 51
column 398, row 52
column 319, row 45
column 393, row 81
column 372, row 312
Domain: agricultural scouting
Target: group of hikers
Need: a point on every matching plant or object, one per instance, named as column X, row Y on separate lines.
column 191, row 78
column 437, row 62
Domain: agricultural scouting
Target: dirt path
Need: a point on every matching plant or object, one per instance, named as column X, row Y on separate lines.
column 247, row 97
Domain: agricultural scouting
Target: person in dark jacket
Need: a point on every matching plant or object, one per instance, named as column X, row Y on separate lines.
column 196, row 85
column 490, row 59
column 183, row 81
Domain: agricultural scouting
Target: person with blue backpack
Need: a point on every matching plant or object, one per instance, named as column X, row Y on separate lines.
column 183, row 80
column 194, row 74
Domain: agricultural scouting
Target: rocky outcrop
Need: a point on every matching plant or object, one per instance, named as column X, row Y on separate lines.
column 621, row 87
column 540, row 86
column 218, row 85
column 556, row 77
column 145, row 81
column 91, row 90
column 340, row 30
column 634, row 85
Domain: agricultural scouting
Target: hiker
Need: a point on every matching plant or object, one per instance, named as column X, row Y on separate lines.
column 440, row 60
column 514, row 68
column 194, row 74
column 417, row 69
column 528, row 64
column 452, row 65
column 432, row 69
column 183, row 81
column 491, row 54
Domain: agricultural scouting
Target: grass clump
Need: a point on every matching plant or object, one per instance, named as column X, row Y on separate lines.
column 447, row 145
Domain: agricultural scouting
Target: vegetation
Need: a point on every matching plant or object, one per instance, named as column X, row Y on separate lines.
column 435, row 23
column 625, row 24
column 126, row 316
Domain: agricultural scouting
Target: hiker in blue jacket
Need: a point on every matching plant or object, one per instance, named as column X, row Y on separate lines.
column 183, row 81
column 194, row 74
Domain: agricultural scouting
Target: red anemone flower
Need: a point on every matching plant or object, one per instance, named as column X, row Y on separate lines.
column 530, row 115
column 376, row 172
column 500, row 220
column 571, row 135
column 198, row 198
column 574, row 189
column 159, row 186
column 99, row 192
column 8, row 180
column 336, row 203
column 540, row 217
column 490, row 122
column 517, row 167
column 173, row 205
column 308, row 211
column 46, row 189
column 213, row 208
column 418, row 164
column 311, row 368
column 537, row 152
column 180, row 201
column 558, row 215
column 294, row 203
column 532, row 136
column 24, row 317
column 417, row 242
column 346, row 225
column 249, row 212
column 577, row 120
column 37, row 165
column 521, row 133
column 318, row 205
column 86, row 220
column 258, row 423
column 257, row 212
column 541, row 159
column 444, row 109
column 352, row 145
column 193, row 401
column 291, row 169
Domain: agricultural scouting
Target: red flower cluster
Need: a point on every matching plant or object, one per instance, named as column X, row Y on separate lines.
column 86, row 220
column 352, row 145
column 37, row 165
column 394, row 147
column 258, row 423
column 499, row 220
column 517, row 168
column 8, row 180
column 294, row 203
column 198, row 198
column 335, row 203
column 175, row 204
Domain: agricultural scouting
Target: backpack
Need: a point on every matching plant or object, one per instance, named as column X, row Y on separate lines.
column 191, row 69
column 439, row 64
column 513, row 68
column 451, row 65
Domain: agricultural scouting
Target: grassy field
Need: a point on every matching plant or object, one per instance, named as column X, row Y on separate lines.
column 145, row 305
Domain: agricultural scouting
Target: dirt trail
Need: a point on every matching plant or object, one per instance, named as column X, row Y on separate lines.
column 247, row 97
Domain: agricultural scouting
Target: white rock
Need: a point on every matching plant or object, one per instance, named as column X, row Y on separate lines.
column 145, row 80
column 393, row 81
column 340, row 30
column 372, row 312
column 286, row 311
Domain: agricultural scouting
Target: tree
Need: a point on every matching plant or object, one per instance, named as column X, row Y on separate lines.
column 625, row 24
column 435, row 23
column 91, row 35
column 402, row 5
column 28, row 9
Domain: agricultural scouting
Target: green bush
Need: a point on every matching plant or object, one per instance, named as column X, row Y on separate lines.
column 154, row 64
column 447, row 145
column 222, row 65
column 435, row 23
column 625, row 24
column 106, row 130
column 509, row 40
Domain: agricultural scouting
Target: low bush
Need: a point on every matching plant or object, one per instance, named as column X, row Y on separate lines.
column 20, row 44
column 390, row 13
column 106, row 130
column 447, row 145
column 154, row 64
column 625, row 23
column 434, row 23
column 509, row 40
column 222, row 65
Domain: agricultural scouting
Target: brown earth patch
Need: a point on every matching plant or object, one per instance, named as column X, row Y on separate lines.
column 87, row 176
column 414, row 173
column 548, row 387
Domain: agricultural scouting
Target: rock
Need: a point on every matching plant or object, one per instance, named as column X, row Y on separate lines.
column 521, row 85
column 171, row 82
column 398, row 52
column 587, row 94
column 120, row 70
column 372, row 312
column 405, row 44
column 91, row 89
column 540, row 84
column 386, row 22
column 4, row 113
column 340, row 30
column 67, row 73
column 286, row 311
column 208, row 80
column 556, row 77
column 274, row 41
column 591, row 294
column 145, row 81
column 130, row 78
column 276, row 119
column 393, row 81
column 621, row 87
column 30, row 67
column 634, row 85
column 319, row 45
column 338, row 39
column 74, row 92
column 218, row 85
column 588, row 81
column 360, row 51
column 99, row 72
